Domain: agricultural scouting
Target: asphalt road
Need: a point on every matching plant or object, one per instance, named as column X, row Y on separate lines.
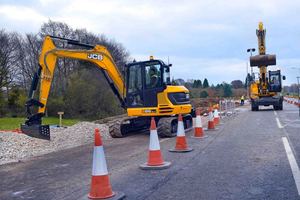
column 244, row 159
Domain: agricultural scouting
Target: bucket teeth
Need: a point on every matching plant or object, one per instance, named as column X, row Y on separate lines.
column 37, row 131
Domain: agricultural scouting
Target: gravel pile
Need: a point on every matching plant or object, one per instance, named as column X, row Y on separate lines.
column 14, row 146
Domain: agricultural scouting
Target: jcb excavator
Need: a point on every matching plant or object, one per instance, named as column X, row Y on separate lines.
column 266, row 90
column 143, row 89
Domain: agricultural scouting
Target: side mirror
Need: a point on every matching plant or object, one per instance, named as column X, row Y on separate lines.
column 283, row 77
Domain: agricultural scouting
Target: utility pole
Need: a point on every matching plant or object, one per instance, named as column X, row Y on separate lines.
column 249, row 50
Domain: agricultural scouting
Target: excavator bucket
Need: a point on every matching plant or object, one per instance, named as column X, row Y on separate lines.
column 36, row 131
column 262, row 60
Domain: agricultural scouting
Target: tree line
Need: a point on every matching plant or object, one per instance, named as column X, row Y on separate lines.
column 78, row 88
column 203, row 89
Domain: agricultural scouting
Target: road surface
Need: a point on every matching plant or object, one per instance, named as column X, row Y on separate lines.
column 253, row 155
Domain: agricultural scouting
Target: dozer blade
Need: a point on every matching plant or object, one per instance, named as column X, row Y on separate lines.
column 37, row 131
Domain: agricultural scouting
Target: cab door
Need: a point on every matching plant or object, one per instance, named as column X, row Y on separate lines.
column 153, row 82
column 275, row 81
column 134, row 95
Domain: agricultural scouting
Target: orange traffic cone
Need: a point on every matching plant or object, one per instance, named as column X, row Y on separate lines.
column 181, row 144
column 216, row 117
column 198, row 130
column 100, row 184
column 211, row 124
column 155, row 159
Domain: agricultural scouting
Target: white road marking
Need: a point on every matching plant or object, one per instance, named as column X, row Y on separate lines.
column 293, row 163
column 278, row 123
column 275, row 112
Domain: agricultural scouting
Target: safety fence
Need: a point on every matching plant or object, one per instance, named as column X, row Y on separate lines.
column 292, row 100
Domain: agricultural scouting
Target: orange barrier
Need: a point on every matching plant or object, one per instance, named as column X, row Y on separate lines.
column 12, row 131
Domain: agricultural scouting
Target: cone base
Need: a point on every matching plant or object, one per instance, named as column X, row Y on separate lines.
column 202, row 137
column 165, row 165
column 181, row 150
column 210, row 129
column 117, row 196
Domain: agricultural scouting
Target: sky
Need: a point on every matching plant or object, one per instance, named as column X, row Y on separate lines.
column 201, row 38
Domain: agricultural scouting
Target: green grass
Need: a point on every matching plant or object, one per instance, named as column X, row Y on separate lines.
column 9, row 123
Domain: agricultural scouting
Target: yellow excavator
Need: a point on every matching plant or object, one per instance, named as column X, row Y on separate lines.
column 266, row 90
column 143, row 89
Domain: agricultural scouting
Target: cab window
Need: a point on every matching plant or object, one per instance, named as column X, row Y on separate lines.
column 274, row 82
column 274, row 79
column 135, row 79
column 153, row 75
column 135, row 86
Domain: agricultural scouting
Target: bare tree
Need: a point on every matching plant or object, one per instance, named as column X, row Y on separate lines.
column 7, row 58
column 27, row 54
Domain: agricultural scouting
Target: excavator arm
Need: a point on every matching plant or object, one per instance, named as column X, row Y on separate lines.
column 97, row 55
column 262, row 61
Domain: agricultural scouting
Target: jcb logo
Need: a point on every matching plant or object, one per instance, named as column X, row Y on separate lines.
column 95, row 56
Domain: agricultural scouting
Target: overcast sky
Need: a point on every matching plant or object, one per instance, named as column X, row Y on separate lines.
column 202, row 38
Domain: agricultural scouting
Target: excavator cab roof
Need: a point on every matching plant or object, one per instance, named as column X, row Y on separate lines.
column 148, row 62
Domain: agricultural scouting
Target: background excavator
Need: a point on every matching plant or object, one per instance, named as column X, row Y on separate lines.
column 143, row 89
column 266, row 90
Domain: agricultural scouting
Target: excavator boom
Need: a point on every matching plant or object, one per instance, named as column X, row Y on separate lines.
column 97, row 54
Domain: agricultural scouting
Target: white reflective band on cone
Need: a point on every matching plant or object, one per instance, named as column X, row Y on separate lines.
column 210, row 116
column 180, row 129
column 216, row 114
column 154, row 143
column 99, row 162
column 194, row 122
column 198, row 122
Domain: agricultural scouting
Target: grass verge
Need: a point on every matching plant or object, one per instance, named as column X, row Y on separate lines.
column 9, row 123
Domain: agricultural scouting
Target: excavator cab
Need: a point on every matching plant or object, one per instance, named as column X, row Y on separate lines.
column 275, row 81
column 144, row 81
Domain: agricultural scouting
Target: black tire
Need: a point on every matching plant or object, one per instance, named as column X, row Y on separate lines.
column 115, row 129
column 167, row 127
column 188, row 122
column 281, row 106
column 254, row 107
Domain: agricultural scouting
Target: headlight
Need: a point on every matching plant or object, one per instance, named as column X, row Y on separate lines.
column 187, row 96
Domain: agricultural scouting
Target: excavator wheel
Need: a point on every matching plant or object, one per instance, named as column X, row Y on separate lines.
column 280, row 107
column 167, row 127
column 115, row 128
column 125, row 126
column 254, row 107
